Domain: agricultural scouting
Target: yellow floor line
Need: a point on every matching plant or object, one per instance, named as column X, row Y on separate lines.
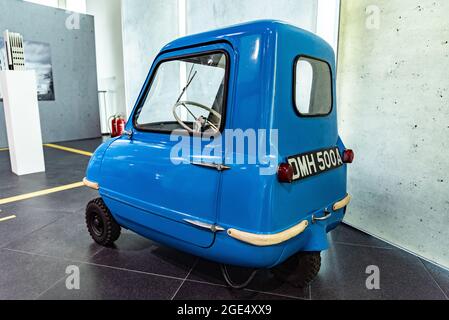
column 41, row 193
column 7, row 218
column 55, row 146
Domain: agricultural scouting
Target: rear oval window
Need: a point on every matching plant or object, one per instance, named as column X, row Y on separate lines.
column 313, row 87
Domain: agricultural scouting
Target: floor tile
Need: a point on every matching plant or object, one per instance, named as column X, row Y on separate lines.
column 52, row 227
column 202, row 291
column 89, row 145
column 346, row 234
column 61, row 168
column 73, row 200
column 440, row 275
column 97, row 283
column 24, row 276
column 66, row 238
column 27, row 220
column 136, row 253
column 264, row 281
column 343, row 275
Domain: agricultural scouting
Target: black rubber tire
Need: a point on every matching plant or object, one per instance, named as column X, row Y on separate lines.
column 101, row 224
column 299, row 270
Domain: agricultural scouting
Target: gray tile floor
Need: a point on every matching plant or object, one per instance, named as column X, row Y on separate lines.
column 49, row 235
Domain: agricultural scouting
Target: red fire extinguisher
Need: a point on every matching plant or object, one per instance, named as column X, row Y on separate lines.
column 120, row 125
column 117, row 125
column 113, row 126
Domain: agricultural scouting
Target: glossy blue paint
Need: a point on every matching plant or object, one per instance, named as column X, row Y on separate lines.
column 149, row 195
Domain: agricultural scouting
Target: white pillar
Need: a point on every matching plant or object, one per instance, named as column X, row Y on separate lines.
column 23, row 124
column 328, row 21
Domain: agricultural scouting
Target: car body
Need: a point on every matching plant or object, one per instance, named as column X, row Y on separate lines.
column 232, row 214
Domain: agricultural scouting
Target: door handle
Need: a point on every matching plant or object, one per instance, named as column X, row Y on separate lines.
column 327, row 216
column 211, row 227
column 219, row 167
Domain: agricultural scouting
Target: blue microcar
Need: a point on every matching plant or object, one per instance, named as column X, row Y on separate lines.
column 232, row 152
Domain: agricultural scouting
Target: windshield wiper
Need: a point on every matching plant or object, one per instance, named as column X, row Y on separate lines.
column 191, row 77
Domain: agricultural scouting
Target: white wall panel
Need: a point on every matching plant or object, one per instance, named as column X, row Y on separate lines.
column 149, row 24
column 393, row 99
column 211, row 14
column 109, row 50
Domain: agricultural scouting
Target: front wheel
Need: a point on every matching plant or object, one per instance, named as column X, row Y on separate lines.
column 101, row 224
column 299, row 270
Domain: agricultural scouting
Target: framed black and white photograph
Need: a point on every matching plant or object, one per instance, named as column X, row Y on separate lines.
column 38, row 58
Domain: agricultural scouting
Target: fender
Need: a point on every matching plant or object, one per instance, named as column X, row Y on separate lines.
column 93, row 172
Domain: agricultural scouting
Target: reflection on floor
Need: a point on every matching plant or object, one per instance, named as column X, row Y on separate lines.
column 48, row 235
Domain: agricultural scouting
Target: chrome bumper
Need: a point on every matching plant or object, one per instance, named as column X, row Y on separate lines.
column 90, row 184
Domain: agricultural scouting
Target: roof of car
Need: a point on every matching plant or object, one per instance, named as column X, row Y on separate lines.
column 232, row 33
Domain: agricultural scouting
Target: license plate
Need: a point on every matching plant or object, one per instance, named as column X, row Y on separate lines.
column 310, row 164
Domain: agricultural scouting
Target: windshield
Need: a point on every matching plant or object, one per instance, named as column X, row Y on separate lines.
column 186, row 93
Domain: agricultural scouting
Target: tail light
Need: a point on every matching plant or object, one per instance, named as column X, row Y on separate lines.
column 285, row 173
column 348, row 156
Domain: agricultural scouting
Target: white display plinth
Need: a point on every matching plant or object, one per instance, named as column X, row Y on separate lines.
column 22, row 121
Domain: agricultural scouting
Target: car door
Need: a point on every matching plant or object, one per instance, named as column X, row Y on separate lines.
column 167, row 182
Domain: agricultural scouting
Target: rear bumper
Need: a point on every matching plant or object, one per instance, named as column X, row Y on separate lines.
column 264, row 240
column 342, row 203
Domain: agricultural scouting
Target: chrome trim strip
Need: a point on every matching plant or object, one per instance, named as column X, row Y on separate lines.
column 327, row 215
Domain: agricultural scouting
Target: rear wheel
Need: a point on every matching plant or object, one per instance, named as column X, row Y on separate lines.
column 101, row 224
column 299, row 270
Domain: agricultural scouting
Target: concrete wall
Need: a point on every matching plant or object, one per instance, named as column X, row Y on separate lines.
column 110, row 68
column 205, row 15
column 74, row 114
column 147, row 26
column 143, row 21
column 393, row 99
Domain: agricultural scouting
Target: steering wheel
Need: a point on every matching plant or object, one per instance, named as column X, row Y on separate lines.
column 203, row 121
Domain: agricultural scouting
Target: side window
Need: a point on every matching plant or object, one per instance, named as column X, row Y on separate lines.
column 186, row 93
column 313, row 87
